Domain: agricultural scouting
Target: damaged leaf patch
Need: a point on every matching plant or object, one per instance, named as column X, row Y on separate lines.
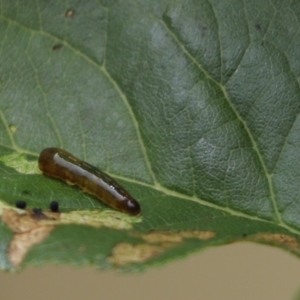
column 19, row 162
column 30, row 227
column 156, row 243
column 175, row 236
column 125, row 253
column 279, row 239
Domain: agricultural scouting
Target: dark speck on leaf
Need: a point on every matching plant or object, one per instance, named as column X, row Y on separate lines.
column 54, row 207
column 37, row 213
column 21, row 204
column 57, row 47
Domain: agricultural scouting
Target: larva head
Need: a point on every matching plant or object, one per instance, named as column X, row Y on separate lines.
column 133, row 207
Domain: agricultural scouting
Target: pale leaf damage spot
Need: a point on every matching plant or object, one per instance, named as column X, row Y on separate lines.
column 108, row 218
column 28, row 231
column 22, row 242
column 12, row 128
column 20, row 221
column 175, row 236
column 156, row 243
column 19, row 162
column 124, row 253
column 279, row 239
column 33, row 226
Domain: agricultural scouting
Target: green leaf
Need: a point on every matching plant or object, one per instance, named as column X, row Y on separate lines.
column 193, row 106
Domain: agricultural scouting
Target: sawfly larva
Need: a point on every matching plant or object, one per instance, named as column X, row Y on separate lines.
column 58, row 163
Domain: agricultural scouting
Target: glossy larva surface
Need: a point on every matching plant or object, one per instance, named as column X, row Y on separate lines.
column 58, row 163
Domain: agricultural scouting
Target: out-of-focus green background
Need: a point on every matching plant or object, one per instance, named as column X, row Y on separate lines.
column 239, row 271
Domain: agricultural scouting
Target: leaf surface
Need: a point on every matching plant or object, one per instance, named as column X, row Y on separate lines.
column 192, row 106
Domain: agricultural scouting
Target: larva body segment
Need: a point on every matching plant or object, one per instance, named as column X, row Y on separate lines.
column 58, row 163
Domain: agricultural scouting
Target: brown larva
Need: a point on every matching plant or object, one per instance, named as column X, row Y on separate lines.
column 58, row 163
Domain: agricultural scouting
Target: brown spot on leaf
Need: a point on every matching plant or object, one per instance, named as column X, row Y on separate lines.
column 160, row 237
column 57, row 47
column 20, row 222
column 199, row 234
column 28, row 231
column 69, row 13
column 157, row 236
column 157, row 242
column 125, row 253
column 31, row 226
column 22, row 242
column 279, row 239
